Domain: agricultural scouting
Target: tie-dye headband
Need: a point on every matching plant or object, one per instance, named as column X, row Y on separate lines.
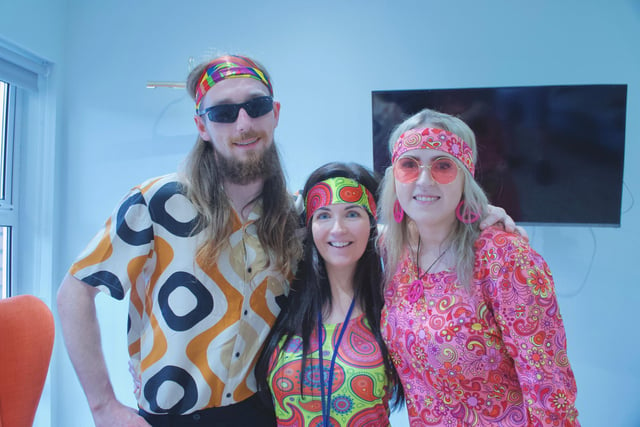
column 228, row 67
column 434, row 139
column 339, row 190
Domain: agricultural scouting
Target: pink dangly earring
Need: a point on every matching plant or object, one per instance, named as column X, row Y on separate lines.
column 398, row 213
column 464, row 214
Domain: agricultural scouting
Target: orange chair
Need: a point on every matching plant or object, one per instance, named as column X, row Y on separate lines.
column 26, row 342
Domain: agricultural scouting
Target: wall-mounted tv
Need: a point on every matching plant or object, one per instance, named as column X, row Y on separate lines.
column 547, row 154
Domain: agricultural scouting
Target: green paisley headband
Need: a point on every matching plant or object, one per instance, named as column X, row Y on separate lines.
column 339, row 190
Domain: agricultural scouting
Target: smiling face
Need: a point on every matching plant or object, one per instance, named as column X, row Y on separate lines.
column 426, row 201
column 340, row 233
column 246, row 139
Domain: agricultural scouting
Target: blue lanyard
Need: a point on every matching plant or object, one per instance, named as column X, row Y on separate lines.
column 326, row 406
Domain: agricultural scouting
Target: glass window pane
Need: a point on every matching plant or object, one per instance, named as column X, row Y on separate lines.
column 4, row 107
column 5, row 232
column 5, row 261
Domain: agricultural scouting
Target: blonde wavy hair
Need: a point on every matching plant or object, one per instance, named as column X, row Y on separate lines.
column 277, row 225
column 397, row 238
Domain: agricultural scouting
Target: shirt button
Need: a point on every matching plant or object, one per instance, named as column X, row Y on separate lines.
column 196, row 417
column 228, row 394
column 246, row 312
column 238, row 354
column 249, row 269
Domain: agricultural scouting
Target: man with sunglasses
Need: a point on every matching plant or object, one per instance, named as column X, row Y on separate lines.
column 205, row 256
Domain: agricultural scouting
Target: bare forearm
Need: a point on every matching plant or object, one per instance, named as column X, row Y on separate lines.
column 77, row 312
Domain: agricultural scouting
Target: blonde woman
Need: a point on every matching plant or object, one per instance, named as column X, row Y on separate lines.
column 470, row 319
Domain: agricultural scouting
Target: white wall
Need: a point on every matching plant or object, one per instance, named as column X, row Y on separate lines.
column 325, row 59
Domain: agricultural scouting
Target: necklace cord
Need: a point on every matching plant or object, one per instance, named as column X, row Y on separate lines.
column 326, row 406
column 432, row 264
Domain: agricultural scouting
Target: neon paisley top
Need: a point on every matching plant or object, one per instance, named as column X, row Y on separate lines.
column 492, row 355
column 359, row 390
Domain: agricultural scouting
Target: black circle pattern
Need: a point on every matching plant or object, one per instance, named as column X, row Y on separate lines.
column 178, row 376
column 134, row 238
column 108, row 279
column 204, row 301
column 160, row 215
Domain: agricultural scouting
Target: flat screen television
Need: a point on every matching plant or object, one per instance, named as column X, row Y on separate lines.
column 547, row 154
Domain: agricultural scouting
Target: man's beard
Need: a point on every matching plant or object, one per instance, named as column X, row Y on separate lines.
column 258, row 165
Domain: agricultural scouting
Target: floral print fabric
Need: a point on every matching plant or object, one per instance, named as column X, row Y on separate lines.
column 494, row 354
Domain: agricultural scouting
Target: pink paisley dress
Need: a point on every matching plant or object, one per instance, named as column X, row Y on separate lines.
column 491, row 355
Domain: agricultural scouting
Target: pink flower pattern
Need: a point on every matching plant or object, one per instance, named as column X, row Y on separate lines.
column 492, row 354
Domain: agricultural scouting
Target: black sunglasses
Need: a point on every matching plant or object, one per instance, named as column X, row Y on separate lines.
column 228, row 113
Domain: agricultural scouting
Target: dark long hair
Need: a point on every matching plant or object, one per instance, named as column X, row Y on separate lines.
column 310, row 290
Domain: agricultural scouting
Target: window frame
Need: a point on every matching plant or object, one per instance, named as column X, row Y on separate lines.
column 29, row 201
column 8, row 206
column 6, row 201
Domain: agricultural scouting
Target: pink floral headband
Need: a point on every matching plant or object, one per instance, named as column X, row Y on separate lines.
column 227, row 67
column 434, row 139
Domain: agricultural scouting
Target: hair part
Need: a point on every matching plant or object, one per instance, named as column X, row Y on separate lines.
column 311, row 292
column 399, row 236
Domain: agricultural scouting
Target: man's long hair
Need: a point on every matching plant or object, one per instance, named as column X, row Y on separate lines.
column 204, row 187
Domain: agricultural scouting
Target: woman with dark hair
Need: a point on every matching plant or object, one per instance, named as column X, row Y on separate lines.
column 334, row 304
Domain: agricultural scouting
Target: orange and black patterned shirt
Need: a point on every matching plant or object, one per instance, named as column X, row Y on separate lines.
column 194, row 330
